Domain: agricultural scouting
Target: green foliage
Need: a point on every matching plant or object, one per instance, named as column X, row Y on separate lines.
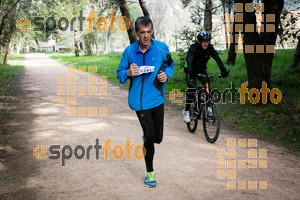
column 135, row 11
column 89, row 38
column 186, row 36
column 185, row 3
column 288, row 29
column 8, row 13
column 196, row 14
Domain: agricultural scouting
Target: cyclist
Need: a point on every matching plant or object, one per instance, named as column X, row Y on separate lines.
column 147, row 91
column 197, row 57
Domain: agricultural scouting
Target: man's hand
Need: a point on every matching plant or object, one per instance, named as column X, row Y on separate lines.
column 133, row 70
column 162, row 76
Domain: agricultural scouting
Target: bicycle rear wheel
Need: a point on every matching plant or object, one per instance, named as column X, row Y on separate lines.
column 192, row 125
column 212, row 122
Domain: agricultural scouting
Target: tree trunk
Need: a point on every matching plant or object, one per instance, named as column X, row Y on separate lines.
column 7, row 14
column 19, row 45
column 146, row 12
column 208, row 16
column 259, row 64
column 224, row 12
column 12, row 16
column 97, row 44
column 89, row 49
column 230, row 3
column 296, row 56
column 176, row 45
column 144, row 8
column 107, row 42
column 8, row 47
column 76, row 43
column 280, row 34
column 231, row 56
column 7, row 52
column 12, row 48
column 125, row 12
column 36, row 41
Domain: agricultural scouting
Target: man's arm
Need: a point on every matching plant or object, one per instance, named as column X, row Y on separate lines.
column 168, row 66
column 190, row 57
column 123, row 68
column 214, row 54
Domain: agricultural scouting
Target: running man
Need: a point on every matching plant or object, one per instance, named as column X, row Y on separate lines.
column 147, row 90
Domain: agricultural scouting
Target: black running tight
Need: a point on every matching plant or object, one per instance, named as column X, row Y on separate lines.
column 152, row 121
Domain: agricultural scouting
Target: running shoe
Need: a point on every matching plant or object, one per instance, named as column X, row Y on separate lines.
column 209, row 112
column 150, row 179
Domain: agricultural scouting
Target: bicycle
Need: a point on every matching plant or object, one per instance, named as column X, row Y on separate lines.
column 211, row 114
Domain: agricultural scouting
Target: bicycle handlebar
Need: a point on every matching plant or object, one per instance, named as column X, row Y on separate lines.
column 209, row 76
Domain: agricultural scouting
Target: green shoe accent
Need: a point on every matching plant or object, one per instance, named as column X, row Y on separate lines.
column 150, row 180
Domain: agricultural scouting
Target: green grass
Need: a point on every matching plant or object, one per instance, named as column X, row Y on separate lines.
column 280, row 122
column 16, row 57
column 106, row 64
column 9, row 72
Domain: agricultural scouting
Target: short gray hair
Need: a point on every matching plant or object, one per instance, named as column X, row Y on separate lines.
column 145, row 21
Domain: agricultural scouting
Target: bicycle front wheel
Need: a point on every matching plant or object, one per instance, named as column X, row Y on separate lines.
column 192, row 125
column 211, row 122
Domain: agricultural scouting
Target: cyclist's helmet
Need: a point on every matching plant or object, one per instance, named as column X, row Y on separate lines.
column 204, row 35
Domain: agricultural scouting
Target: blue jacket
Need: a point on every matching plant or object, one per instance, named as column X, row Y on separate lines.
column 145, row 91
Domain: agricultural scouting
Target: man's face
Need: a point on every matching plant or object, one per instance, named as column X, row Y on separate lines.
column 205, row 43
column 145, row 34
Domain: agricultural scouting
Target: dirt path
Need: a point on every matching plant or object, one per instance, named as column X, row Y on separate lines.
column 185, row 164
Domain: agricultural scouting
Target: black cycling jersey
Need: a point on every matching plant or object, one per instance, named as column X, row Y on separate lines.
column 197, row 58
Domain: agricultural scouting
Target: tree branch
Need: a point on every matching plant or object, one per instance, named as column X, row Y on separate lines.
column 144, row 8
column 5, row 16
